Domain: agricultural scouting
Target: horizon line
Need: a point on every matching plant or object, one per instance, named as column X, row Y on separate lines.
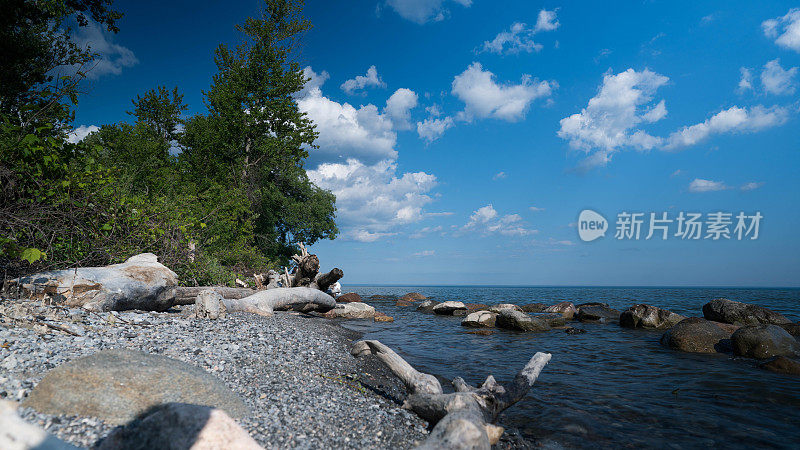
column 569, row 286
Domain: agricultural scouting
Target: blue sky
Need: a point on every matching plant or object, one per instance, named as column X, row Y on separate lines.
column 463, row 138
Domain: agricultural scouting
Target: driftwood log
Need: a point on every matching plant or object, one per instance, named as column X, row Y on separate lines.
column 187, row 295
column 465, row 418
column 266, row 302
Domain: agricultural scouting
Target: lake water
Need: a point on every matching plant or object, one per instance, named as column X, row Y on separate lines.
column 611, row 386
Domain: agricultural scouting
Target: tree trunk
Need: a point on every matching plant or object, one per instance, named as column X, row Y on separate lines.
column 463, row 419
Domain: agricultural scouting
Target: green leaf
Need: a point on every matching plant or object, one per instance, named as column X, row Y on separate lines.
column 32, row 255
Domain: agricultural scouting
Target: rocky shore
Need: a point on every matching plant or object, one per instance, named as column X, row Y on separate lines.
column 293, row 372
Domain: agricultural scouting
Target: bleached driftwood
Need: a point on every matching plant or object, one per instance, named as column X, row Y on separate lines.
column 266, row 302
column 187, row 295
column 463, row 419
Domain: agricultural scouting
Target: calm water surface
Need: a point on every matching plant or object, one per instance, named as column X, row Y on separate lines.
column 611, row 386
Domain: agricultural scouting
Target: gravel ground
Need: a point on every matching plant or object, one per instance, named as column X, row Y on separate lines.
column 294, row 372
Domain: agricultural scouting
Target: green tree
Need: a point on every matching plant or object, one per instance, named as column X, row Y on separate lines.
column 160, row 111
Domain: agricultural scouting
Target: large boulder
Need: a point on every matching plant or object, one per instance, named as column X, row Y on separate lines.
column 552, row 319
column 118, row 385
column 141, row 282
column 449, row 308
column 764, row 341
column 696, row 335
column 597, row 313
column 497, row 308
column 427, row 306
column 480, row 319
column 729, row 311
column 413, row 297
column 350, row 297
column 646, row 316
column 533, row 307
column 355, row 310
column 177, row 426
column 783, row 365
column 791, row 328
column 515, row 320
column 566, row 309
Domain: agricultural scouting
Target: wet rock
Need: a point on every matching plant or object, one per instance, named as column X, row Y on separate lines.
column 180, row 426
column 552, row 319
column 355, row 310
column 791, row 328
column 350, row 297
column 604, row 305
column 497, row 308
column 476, row 306
column 696, row 335
column 566, row 309
column 573, row 330
column 533, row 307
column 413, row 297
column 519, row 321
column 482, row 332
column 729, row 311
column 764, row 341
column 449, row 308
column 597, row 313
column 480, row 319
column 117, row 385
column 646, row 316
column 403, row 303
column 427, row 306
column 783, row 365
column 381, row 317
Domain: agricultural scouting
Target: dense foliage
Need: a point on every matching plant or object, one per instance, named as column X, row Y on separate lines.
column 215, row 195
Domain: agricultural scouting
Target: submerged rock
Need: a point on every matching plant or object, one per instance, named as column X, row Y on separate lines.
column 783, row 365
column 764, row 341
column 480, row 319
column 118, row 385
column 597, row 313
column 533, row 307
column 180, row 426
column 355, row 310
column 403, row 303
column 566, row 309
column 696, row 335
column 427, row 306
column 350, row 297
column 413, row 297
column 646, row 316
column 516, row 320
column 476, row 306
column 573, row 330
column 449, row 308
column 729, row 311
column 552, row 319
column 381, row 317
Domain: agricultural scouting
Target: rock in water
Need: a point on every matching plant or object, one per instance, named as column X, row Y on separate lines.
column 552, row 319
column 783, row 365
column 696, row 335
column 729, row 311
column 449, row 308
column 515, row 320
column 646, row 316
column 427, row 306
column 118, row 385
column 381, row 317
column 180, row 426
column 597, row 313
column 355, row 310
column 480, row 319
column 566, row 309
column 764, row 341
column 533, row 307
column 350, row 297
column 413, row 297
column 497, row 308
column 141, row 282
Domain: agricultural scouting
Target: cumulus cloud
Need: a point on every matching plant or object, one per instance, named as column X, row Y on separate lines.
column 776, row 80
column 432, row 129
column 486, row 221
column 784, row 30
column 399, row 106
column 315, row 81
column 111, row 59
column 701, row 185
column 81, row 132
column 609, row 121
column 518, row 38
column 484, row 97
column 546, row 21
column 423, row 11
column 732, row 120
column 371, row 79
column 746, row 82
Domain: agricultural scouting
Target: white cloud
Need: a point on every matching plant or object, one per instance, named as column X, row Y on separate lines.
column 785, row 30
column 732, row 120
column 518, row 38
column 609, row 121
column 486, row 221
column 315, row 81
column 751, row 186
column 432, row 129
column 425, row 231
column 399, row 106
column 535, row 209
column 499, row 176
column 546, row 21
column 81, row 132
column 701, row 185
column 433, row 110
column 425, row 253
column 776, row 80
column 363, row 81
column 746, row 82
column 423, row 11
column 111, row 59
column 483, row 97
